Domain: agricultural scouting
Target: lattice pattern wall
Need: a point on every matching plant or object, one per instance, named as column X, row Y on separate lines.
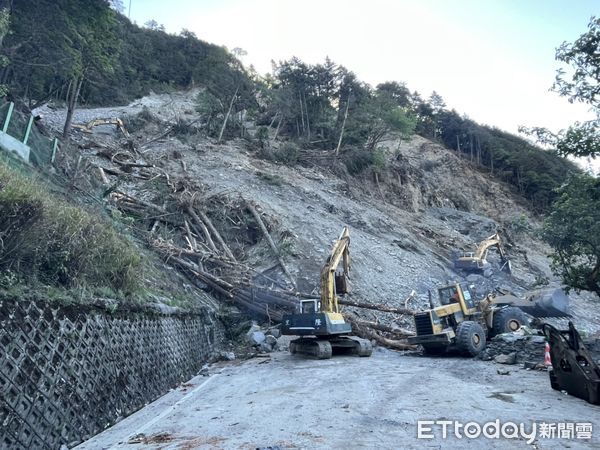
column 68, row 373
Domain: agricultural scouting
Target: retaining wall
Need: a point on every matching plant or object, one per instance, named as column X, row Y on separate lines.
column 67, row 373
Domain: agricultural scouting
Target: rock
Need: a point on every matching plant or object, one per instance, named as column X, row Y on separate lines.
column 272, row 341
column 275, row 332
column 508, row 337
column 484, row 356
column 532, row 365
column 269, row 345
column 227, row 356
column 503, row 372
column 266, row 348
column 473, row 278
column 255, row 337
column 253, row 328
column 511, row 358
column 526, row 331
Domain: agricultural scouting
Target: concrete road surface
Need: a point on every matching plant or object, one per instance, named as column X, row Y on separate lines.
column 286, row 402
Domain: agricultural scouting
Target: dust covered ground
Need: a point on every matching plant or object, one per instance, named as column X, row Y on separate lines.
column 288, row 402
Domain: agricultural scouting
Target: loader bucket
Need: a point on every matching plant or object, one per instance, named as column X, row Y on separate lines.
column 540, row 303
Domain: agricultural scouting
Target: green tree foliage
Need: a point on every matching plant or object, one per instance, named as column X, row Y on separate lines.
column 86, row 51
column 579, row 83
column 304, row 98
column 326, row 104
column 4, row 28
column 50, row 42
column 573, row 231
column 60, row 43
column 385, row 113
column 573, row 227
column 536, row 173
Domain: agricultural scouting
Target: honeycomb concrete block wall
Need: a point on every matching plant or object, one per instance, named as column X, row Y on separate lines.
column 67, row 373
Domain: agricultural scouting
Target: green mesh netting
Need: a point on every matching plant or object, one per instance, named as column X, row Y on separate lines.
column 40, row 145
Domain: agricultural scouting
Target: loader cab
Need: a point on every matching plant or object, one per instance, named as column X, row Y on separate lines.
column 457, row 293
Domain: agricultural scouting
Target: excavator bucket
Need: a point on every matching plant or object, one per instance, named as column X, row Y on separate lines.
column 540, row 303
column 573, row 368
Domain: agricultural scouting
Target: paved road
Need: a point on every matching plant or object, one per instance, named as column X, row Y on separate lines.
column 350, row 402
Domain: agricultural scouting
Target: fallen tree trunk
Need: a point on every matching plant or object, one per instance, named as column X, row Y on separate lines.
column 262, row 297
column 260, row 308
column 377, row 307
column 382, row 327
column 214, row 231
column 267, row 236
column 389, row 343
column 120, row 194
column 202, row 226
column 366, row 333
column 212, row 280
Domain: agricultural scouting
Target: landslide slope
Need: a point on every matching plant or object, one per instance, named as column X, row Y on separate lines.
column 405, row 224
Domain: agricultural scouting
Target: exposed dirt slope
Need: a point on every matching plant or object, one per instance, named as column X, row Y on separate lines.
column 428, row 203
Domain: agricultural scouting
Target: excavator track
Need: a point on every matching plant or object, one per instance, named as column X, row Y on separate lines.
column 362, row 347
column 325, row 348
column 318, row 348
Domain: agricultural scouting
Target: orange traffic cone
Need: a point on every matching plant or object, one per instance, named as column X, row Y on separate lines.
column 547, row 360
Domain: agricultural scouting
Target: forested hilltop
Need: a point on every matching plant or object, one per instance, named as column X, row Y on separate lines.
column 88, row 53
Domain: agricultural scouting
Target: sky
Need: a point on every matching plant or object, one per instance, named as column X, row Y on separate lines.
column 492, row 60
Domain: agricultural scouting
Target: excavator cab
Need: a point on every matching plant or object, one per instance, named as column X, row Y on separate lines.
column 309, row 306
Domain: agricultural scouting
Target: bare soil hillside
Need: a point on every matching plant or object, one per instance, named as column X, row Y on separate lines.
column 404, row 227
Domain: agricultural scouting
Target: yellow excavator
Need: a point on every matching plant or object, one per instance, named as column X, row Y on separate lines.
column 477, row 262
column 319, row 323
column 87, row 127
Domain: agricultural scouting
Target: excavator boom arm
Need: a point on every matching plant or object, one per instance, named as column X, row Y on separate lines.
column 486, row 244
column 339, row 253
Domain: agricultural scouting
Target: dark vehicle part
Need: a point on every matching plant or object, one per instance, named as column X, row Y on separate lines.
column 548, row 302
column 573, row 368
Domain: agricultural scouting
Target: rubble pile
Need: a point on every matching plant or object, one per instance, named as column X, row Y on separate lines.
column 515, row 348
column 264, row 340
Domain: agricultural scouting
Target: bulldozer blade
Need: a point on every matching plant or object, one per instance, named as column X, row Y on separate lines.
column 542, row 303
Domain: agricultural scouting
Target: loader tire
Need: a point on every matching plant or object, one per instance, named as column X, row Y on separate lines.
column 507, row 320
column 470, row 338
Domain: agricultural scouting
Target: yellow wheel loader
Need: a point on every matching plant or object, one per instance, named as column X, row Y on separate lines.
column 460, row 322
column 319, row 323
